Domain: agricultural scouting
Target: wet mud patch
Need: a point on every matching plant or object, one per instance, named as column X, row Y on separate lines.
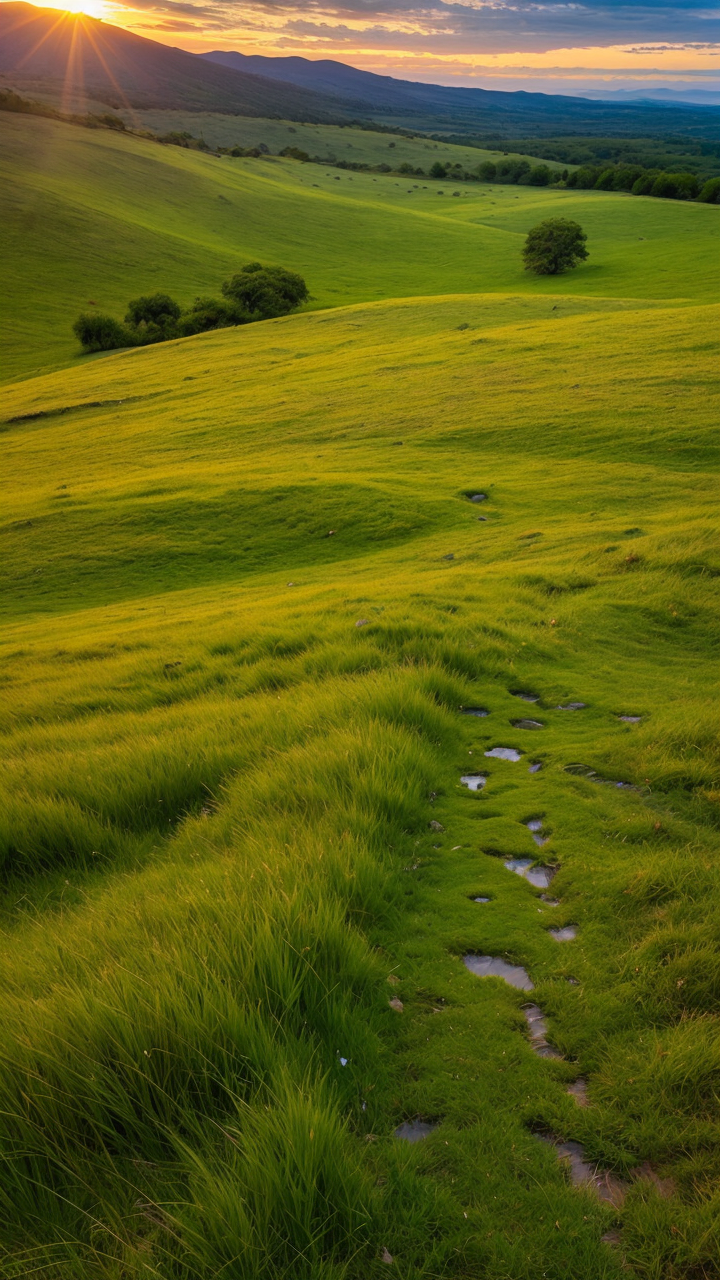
column 415, row 1130
column 537, row 1028
column 584, row 771
column 566, row 934
column 474, row 781
column 585, row 1173
column 495, row 967
column 538, row 876
column 504, row 753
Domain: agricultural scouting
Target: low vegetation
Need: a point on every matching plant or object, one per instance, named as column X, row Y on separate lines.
column 246, row 593
column 254, row 293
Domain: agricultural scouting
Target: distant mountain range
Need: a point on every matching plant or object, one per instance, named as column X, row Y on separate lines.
column 71, row 52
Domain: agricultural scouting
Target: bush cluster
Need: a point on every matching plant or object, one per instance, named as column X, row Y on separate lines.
column 640, row 181
column 254, row 293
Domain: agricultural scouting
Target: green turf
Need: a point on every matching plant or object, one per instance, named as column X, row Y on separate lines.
column 245, row 594
column 90, row 216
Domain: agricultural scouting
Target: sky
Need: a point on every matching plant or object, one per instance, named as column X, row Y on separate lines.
column 593, row 47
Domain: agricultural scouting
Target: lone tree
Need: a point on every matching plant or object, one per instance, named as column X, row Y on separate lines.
column 553, row 246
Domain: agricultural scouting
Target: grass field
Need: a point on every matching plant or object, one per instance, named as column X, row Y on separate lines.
column 94, row 217
column 245, row 595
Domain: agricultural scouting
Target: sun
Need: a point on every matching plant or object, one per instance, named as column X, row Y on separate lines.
column 92, row 8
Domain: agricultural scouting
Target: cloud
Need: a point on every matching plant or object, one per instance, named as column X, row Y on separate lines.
column 462, row 28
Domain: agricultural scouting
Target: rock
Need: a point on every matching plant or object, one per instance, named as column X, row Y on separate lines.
column 386, row 1257
column 449, row 556
column 393, row 979
column 397, row 1005
column 362, row 622
column 436, row 826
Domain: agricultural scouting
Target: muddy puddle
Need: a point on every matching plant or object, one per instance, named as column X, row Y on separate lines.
column 539, row 877
column 566, row 934
column 584, row 771
column 578, row 1091
column 474, row 781
column 494, row 967
column 537, row 1027
column 585, row 1173
column 474, row 711
column 527, row 724
column 504, row 753
column 415, row 1130
column 535, row 827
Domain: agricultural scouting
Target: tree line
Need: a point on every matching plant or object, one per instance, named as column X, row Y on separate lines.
column 254, row 293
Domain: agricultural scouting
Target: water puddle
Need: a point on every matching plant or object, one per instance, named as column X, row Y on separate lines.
column 550, row 902
column 578, row 1091
column 630, row 719
column 535, row 768
column 583, row 1173
column 474, row 781
column 414, row 1130
column 494, row 967
column 538, row 877
column 474, row 711
column 527, row 724
column 526, row 697
column 572, row 706
column 566, row 934
column 504, row 753
column 481, row 899
column 537, row 1027
column 477, row 497
column 535, row 826
column 584, row 771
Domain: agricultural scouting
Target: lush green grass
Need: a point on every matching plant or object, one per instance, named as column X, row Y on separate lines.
column 218, row 785
column 90, row 216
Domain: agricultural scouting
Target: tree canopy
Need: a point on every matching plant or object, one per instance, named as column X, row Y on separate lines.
column 553, row 246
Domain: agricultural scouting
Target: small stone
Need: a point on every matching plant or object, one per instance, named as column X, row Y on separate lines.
column 393, row 979
column 386, row 1257
column 397, row 1005
column 436, row 826
column 362, row 622
column 449, row 556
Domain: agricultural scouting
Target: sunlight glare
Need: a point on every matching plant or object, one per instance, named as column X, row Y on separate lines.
column 92, row 8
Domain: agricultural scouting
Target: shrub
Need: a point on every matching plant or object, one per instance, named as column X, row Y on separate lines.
column 710, row 193
column 606, row 181
column 675, row 186
column 487, row 171
column 553, row 246
column 295, row 153
column 539, row 176
column 153, row 318
column 101, row 333
column 512, row 170
column 210, row 313
column 264, row 292
column 643, row 185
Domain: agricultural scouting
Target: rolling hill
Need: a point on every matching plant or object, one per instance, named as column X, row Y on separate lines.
column 66, row 55
column 72, row 53
column 481, row 110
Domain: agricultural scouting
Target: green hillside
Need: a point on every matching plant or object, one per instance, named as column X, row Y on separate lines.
column 246, row 598
column 93, row 216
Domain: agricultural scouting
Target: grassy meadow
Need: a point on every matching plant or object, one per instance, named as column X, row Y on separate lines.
column 245, row 597
column 91, row 217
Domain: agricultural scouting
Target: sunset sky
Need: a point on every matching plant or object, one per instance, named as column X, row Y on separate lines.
column 508, row 44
